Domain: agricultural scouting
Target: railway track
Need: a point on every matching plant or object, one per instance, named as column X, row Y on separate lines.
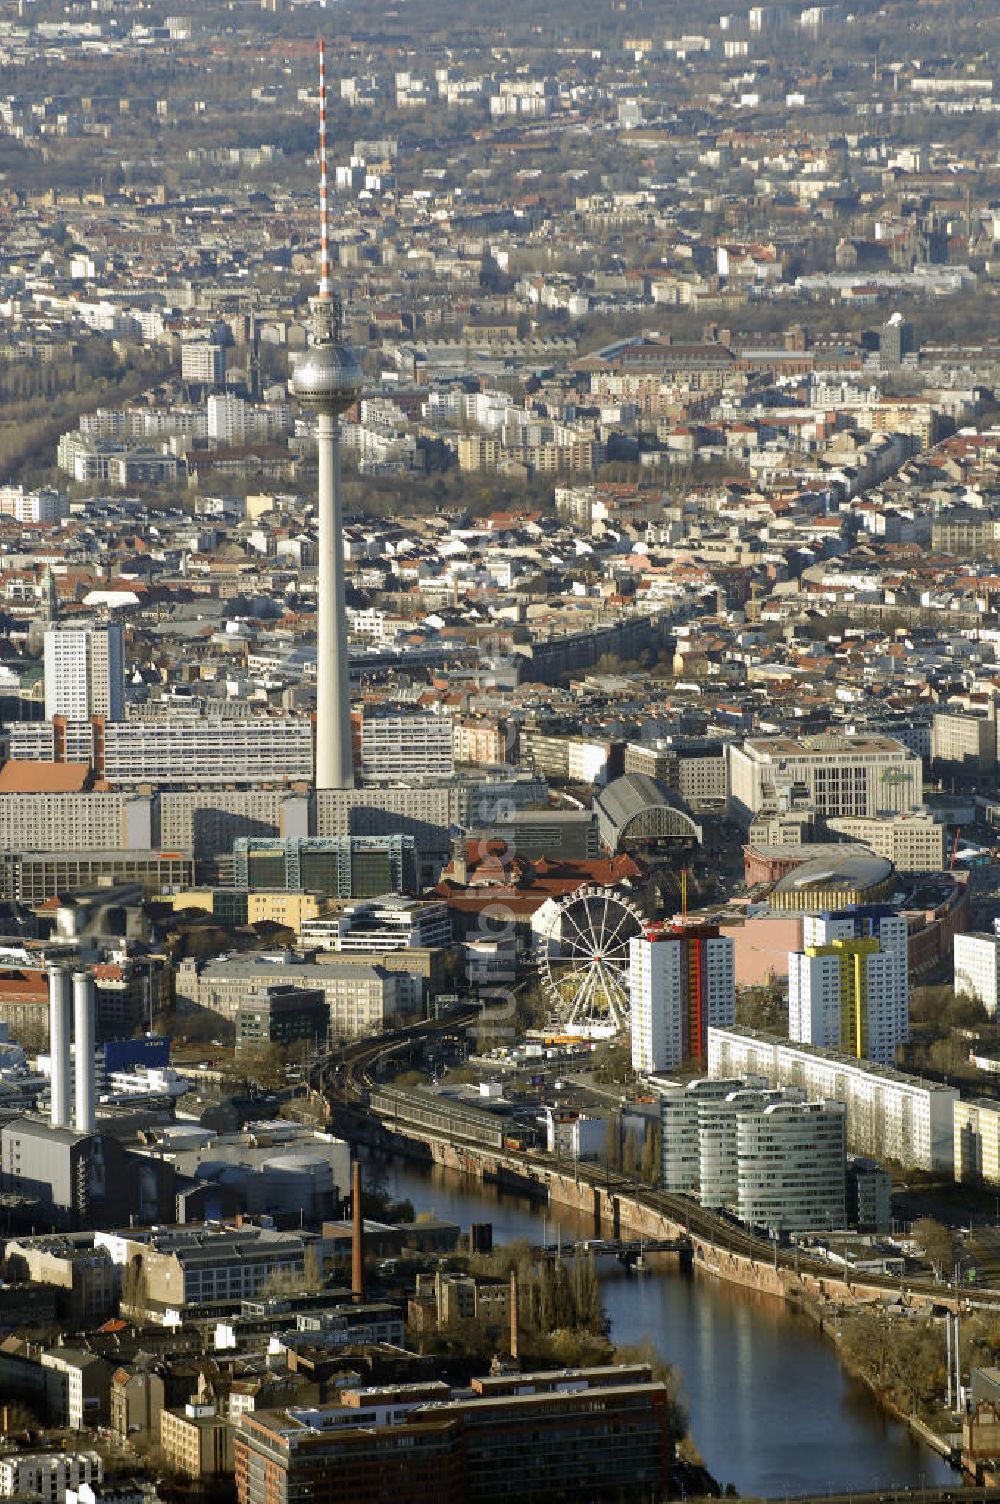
column 352, row 1079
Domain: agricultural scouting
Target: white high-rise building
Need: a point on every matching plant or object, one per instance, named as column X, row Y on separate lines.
column 977, row 969
column 718, row 1161
column 203, row 362
column 791, row 1166
column 889, row 1115
column 681, row 1109
column 682, row 980
column 849, row 986
column 655, row 991
column 762, row 1153
column 407, row 744
column 227, row 418
column 84, row 672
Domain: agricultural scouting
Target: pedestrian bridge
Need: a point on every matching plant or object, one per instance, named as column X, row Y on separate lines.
column 627, row 1251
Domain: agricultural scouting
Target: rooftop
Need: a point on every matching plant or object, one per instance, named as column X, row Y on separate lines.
column 20, row 777
column 868, row 1067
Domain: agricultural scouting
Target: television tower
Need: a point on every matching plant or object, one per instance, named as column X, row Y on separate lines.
column 327, row 379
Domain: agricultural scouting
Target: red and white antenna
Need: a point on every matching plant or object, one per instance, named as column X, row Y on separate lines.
column 325, row 283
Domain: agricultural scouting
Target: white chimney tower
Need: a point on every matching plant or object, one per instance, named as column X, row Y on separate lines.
column 59, row 1026
column 83, row 1032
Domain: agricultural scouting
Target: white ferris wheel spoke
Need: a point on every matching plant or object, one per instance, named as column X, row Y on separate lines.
column 594, row 937
column 584, row 1003
column 600, row 989
column 627, row 917
column 583, row 938
column 618, row 1002
column 570, row 977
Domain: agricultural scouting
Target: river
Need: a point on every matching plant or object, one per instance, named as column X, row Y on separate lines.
column 771, row 1409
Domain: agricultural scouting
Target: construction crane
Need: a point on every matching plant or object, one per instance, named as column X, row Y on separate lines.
column 954, row 848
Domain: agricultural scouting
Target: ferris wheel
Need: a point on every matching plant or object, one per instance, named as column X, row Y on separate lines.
column 584, row 961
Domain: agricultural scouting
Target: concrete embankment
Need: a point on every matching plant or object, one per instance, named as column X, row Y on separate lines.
column 613, row 1214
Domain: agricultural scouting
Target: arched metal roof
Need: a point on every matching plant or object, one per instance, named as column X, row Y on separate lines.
column 636, row 807
column 855, row 869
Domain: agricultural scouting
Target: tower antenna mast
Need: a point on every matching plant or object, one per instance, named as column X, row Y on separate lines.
column 325, row 280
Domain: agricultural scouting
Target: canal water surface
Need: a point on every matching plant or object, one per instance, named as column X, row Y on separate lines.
column 771, row 1410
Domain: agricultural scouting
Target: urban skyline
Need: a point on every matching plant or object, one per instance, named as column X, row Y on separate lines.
column 499, row 768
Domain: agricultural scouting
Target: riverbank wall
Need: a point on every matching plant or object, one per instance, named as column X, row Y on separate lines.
column 609, row 1213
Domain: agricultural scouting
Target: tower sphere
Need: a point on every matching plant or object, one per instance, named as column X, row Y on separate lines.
column 327, row 378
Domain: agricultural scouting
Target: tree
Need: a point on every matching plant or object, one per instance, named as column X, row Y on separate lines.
column 612, row 1143
column 763, row 1008
column 937, row 1242
column 661, row 1373
column 282, row 1283
column 262, row 1063
column 630, row 1154
column 902, row 1359
column 20, row 1418
column 652, row 1151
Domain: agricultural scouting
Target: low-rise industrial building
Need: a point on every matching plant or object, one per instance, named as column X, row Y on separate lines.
column 174, row 1269
column 67, row 1179
column 31, row 877
column 238, row 906
column 87, row 1279
column 576, row 1435
column 277, row 1169
column 555, row 834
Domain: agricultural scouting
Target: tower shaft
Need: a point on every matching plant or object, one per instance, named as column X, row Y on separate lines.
column 334, row 761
